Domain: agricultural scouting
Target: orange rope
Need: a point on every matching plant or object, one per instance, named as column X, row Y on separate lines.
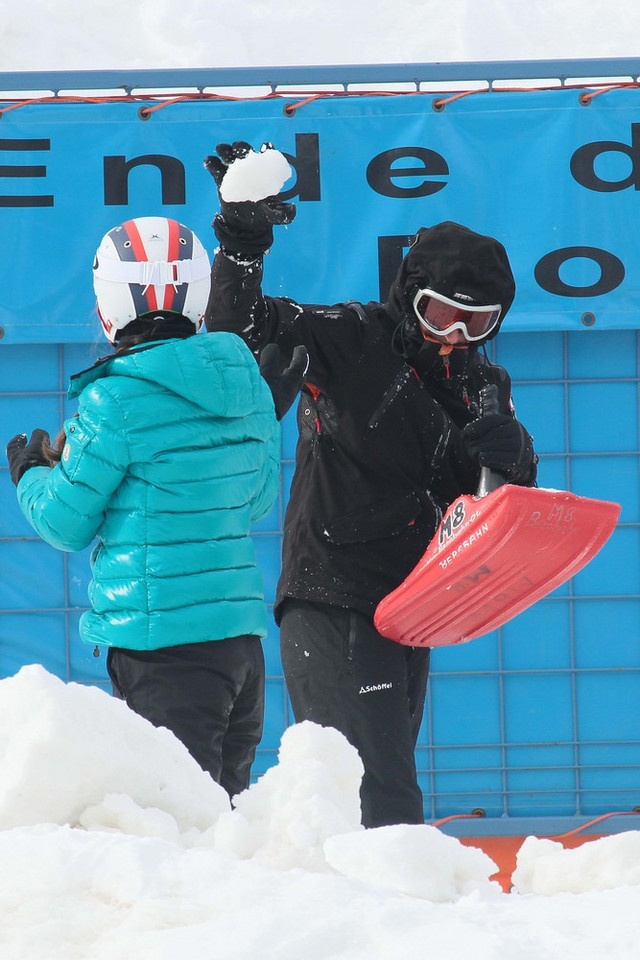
column 290, row 108
column 588, row 97
column 560, row 836
column 584, row 98
column 439, row 104
column 146, row 111
column 605, row 816
column 70, row 99
column 204, row 96
column 458, row 816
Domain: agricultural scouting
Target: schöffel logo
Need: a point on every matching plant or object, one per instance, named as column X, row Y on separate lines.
column 371, row 688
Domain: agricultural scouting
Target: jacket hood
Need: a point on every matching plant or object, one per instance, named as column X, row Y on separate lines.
column 215, row 371
column 459, row 264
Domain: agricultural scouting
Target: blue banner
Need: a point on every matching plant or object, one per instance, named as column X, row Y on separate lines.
column 554, row 179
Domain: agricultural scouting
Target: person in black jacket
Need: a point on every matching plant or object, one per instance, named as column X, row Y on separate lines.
column 389, row 436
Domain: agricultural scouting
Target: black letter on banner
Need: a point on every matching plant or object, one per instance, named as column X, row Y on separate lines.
column 306, row 164
column 583, row 163
column 19, row 170
column 116, row 178
column 390, row 256
column 547, row 272
column 380, row 172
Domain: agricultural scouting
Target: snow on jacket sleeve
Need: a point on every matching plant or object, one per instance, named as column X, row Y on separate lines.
column 66, row 504
column 331, row 334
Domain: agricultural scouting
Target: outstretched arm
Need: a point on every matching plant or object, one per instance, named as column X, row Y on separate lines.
column 248, row 184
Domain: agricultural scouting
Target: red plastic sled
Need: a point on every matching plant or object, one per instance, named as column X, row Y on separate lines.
column 492, row 557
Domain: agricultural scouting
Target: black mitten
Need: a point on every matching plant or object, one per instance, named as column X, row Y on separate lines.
column 245, row 228
column 22, row 455
column 501, row 443
column 284, row 384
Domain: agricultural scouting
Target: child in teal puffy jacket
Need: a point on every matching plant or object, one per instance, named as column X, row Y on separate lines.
column 173, row 454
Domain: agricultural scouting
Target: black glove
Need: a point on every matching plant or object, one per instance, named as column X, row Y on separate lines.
column 284, row 384
column 245, row 228
column 22, row 455
column 501, row 443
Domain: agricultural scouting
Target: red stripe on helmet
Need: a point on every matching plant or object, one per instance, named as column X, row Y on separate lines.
column 172, row 255
column 132, row 233
column 140, row 254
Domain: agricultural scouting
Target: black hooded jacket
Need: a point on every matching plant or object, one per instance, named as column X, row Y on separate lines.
column 379, row 457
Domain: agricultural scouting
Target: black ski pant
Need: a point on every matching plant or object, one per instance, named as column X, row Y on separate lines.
column 210, row 695
column 340, row 672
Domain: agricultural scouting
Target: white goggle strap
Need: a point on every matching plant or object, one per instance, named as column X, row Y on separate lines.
column 458, row 304
column 157, row 273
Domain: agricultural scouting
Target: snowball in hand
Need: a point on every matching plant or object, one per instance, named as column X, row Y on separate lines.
column 255, row 176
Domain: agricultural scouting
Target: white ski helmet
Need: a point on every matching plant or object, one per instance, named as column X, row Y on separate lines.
column 150, row 264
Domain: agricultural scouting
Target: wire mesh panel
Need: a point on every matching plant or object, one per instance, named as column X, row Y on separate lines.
column 540, row 718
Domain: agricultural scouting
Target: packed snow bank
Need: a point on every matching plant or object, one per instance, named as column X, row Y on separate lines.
column 416, row 860
column 78, row 767
column 312, row 794
column 545, row 867
column 71, row 753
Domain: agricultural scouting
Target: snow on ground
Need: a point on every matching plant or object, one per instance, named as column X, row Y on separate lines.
column 114, row 843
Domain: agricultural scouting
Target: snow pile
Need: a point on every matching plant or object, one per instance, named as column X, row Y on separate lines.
column 71, row 754
column 545, row 867
column 419, row 861
column 312, row 794
column 255, row 176
column 128, row 849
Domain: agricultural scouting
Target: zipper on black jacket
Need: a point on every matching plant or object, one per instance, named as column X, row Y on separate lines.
column 351, row 641
column 390, row 393
column 315, row 393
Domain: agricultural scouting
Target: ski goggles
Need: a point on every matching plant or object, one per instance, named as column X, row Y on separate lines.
column 438, row 316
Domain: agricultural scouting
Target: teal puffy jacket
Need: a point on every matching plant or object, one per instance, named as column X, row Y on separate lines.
column 174, row 453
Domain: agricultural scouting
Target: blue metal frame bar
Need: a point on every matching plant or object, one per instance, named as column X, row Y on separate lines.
column 272, row 76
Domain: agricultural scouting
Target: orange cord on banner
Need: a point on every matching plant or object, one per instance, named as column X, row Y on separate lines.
column 290, row 109
column 131, row 98
column 70, row 99
column 440, row 104
column 145, row 112
column 586, row 98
